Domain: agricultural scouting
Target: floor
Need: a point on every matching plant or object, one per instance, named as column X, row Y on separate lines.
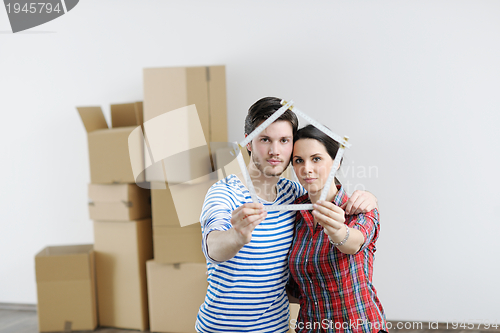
column 25, row 321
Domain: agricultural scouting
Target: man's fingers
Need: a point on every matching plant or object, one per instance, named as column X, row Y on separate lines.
column 348, row 206
column 252, row 218
column 353, row 204
column 362, row 202
column 251, row 212
column 261, row 218
column 362, row 205
column 251, row 205
column 247, row 211
column 253, row 221
column 361, row 208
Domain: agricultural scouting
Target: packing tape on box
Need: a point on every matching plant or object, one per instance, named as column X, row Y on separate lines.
column 127, row 203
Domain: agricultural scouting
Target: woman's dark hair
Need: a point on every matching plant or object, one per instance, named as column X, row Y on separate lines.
column 311, row 132
column 263, row 109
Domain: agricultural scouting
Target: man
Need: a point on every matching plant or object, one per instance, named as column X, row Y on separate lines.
column 246, row 247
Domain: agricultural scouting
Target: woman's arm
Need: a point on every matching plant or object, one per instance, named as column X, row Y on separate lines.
column 331, row 217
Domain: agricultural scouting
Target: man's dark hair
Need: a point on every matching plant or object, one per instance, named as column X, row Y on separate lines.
column 263, row 109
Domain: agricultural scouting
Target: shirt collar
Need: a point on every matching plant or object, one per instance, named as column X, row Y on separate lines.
column 341, row 197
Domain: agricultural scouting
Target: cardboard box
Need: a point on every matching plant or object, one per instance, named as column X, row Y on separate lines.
column 109, row 147
column 171, row 88
column 65, row 278
column 172, row 242
column 122, row 249
column 118, row 202
column 163, row 209
column 225, row 160
column 175, row 295
column 180, row 204
column 178, row 244
column 176, row 148
column 170, row 91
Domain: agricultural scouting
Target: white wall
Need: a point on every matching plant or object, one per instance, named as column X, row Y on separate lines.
column 414, row 84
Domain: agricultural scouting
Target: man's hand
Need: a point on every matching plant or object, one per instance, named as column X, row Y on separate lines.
column 360, row 202
column 244, row 220
column 224, row 245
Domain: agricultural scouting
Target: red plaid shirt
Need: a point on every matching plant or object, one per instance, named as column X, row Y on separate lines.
column 335, row 289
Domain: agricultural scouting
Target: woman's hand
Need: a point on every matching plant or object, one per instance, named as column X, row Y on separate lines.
column 360, row 202
column 332, row 218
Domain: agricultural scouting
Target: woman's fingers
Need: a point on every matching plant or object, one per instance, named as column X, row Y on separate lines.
column 331, row 210
column 327, row 221
column 329, row 216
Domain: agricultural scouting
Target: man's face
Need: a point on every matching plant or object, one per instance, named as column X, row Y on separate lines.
column 272, row 148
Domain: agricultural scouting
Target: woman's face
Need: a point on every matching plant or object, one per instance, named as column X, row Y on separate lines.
column 311, row 164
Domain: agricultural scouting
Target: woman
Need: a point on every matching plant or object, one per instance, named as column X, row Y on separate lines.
column 331, row 257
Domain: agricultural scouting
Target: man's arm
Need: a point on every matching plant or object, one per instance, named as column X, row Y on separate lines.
column 224, row 245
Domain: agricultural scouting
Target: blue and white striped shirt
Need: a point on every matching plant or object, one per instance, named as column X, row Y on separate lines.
column 247, row 293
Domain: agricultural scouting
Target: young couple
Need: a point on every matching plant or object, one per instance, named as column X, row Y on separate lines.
column 323, row 257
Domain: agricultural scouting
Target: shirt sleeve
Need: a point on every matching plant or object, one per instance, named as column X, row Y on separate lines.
column 298, row 189
column 216, row 213
column 368, row 224
column 301, row 190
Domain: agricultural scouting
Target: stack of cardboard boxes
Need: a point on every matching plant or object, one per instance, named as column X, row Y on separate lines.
column 121, row 211
column 177, row 280
column 81, row 286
